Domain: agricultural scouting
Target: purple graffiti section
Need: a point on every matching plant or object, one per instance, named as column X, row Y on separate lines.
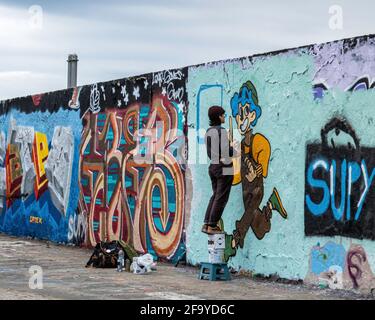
column 355, row 258
column 342, row 64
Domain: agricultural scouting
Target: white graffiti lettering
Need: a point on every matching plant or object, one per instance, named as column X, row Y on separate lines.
column 23, row 137
column 174, row 94
column 166, row 77
column 59, row 167
column 77, row 228
column 94, row 99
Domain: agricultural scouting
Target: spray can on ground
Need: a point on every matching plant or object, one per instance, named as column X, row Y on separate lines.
column 127, row 265
column 120, row 261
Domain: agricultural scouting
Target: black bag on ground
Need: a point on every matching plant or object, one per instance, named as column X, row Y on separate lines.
column 105, row 255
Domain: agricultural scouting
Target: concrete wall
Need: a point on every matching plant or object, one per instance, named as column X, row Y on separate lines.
column 317, row 113
column 313, row 136
column 74, row 171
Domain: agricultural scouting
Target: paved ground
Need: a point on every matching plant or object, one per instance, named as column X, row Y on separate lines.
column 65, row 277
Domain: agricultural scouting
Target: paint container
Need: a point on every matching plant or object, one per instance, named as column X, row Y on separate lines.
column 216, row 247
column 127, row 265
column 120, row 261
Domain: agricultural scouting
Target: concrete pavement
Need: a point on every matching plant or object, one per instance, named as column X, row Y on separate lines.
column 65, row 277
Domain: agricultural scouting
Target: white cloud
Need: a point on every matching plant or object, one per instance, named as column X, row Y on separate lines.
column 118, row 39
column 22, row 83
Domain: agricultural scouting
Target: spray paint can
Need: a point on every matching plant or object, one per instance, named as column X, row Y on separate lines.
column 120, row 261
column 127, row 265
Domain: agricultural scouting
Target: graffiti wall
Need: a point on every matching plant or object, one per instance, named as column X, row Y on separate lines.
column 126, row 159
column 301, row 203
column 334, row 267
column 98, row 163
column 339, row 175
column 40, row 136
column 132, row 167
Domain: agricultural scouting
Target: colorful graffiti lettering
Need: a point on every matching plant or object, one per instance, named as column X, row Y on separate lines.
column 59, row 165
column 322, row 258
column 333, row 266
column 29, row 162
column 37, row 180
column 339, row 179
column 363, row 83
column 349, row 174
column 40, row 155
column 35, row 219
column 2, row 170
column 139, row 202
column 77, row 229
column 13, row 174
column 356, row 257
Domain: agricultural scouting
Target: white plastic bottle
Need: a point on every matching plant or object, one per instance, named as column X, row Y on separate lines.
column 120, row 261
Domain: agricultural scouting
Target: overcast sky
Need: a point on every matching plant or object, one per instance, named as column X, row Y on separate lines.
column 116, row 39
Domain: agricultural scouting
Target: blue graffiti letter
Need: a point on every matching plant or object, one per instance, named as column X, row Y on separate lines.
column 338, row 212
column 317, row 209
column 368, row 182
column 354, row 172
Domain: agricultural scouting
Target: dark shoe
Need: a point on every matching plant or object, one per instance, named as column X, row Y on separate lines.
column 213, row 230
column 277, row 204
column 204, row 228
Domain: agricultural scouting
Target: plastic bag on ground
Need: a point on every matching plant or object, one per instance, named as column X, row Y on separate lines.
column 143, row 264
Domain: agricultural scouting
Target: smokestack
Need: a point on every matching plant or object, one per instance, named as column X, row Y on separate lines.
column 72, row 70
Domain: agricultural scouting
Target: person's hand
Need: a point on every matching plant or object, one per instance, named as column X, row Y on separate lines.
column 251, row 173
column 259, row 170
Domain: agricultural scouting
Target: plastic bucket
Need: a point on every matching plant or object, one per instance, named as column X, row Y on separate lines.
column 215, row 255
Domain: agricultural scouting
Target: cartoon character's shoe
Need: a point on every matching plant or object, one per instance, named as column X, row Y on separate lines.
column 230, row 250
column 220, row 224
column 277, row 204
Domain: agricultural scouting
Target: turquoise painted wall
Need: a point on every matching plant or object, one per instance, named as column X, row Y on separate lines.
column 302, row 92
column 292, row 117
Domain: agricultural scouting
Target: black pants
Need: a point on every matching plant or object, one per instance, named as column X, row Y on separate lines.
column 221, row 185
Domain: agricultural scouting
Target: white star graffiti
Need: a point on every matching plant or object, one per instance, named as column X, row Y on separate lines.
column 126, row 99
column 180, row 107
column 136, row 93
column 123, row 90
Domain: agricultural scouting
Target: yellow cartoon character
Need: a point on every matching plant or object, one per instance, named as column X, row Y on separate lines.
column 254, row 161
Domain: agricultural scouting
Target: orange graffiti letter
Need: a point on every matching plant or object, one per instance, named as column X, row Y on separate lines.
column 40, row 155
column 13, row 174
